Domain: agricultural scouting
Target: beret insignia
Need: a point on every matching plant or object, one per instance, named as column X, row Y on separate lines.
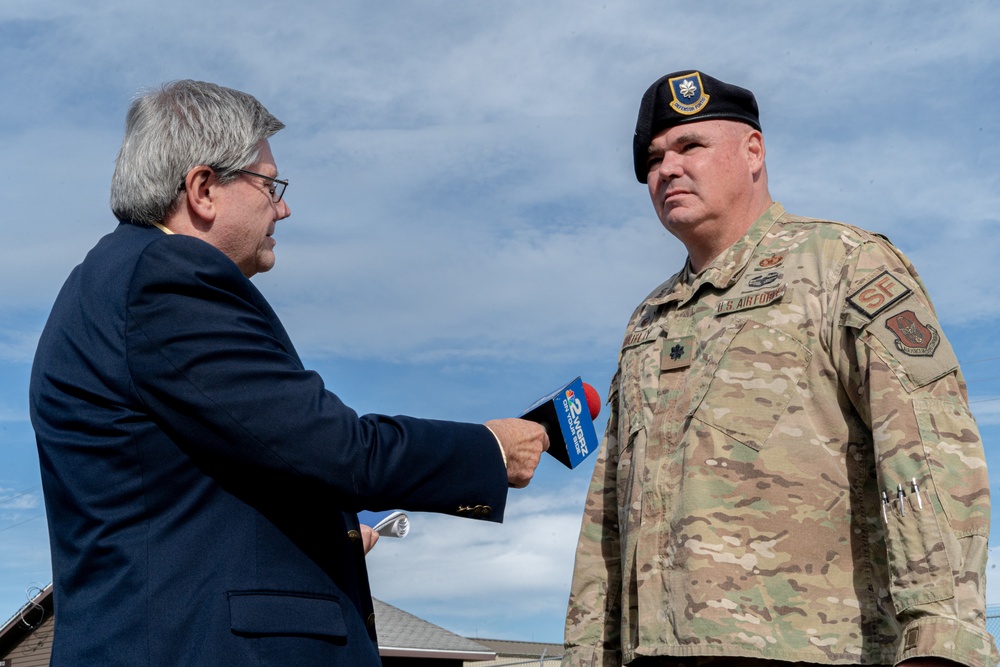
column 689, row 94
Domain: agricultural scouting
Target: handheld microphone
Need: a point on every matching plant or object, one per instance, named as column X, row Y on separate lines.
column 569, row 424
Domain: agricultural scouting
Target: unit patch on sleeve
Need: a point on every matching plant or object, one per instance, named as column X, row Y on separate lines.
column 909, row 342
column 877, row 294
column 912, row 336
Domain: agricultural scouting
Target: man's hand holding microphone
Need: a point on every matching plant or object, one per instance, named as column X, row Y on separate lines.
column 566, row 415
column 522, row 443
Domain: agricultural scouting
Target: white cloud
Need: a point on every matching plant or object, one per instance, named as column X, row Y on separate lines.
column 13, row 503
column 522, row 566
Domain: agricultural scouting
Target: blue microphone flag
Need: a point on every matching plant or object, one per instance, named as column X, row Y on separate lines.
column 566, row 416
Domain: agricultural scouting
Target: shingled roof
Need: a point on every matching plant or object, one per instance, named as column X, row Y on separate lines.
column 526, row 654
column 404, row 635
column 516, row 649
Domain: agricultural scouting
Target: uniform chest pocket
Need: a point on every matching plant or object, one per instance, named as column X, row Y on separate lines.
column 637, row 386
column 753, row 383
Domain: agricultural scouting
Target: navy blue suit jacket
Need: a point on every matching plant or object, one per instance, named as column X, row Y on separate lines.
column 201, row 485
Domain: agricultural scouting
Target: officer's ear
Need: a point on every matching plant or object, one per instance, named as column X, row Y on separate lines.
column 755, row 150
column 201, row 185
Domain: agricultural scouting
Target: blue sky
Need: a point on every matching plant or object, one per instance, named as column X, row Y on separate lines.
column 466, row 232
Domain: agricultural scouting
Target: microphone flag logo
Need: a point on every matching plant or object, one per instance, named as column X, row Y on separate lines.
column 564, row 411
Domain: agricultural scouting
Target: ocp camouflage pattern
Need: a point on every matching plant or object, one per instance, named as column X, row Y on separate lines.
column 760, row 410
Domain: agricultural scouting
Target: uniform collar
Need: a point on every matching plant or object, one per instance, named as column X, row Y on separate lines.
column 725, row 269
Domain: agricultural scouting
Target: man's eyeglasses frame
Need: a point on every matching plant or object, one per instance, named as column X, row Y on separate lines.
column 276, row 188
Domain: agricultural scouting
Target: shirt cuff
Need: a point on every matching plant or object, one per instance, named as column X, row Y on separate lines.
column 502, row 452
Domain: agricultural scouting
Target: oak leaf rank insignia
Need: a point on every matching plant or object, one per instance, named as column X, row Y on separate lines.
column 689, row 94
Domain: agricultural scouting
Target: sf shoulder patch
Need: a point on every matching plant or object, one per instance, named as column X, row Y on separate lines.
column 913, row 337
column 878, row 294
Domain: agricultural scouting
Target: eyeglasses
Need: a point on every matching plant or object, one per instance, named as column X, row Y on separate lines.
column 276, row 188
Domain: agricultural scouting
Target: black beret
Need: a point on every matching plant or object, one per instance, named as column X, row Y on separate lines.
column 687, row 97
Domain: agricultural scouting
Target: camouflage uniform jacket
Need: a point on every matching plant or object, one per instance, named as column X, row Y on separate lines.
column 760, row 410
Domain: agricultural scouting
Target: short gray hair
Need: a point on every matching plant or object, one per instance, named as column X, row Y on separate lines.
column 170, row 131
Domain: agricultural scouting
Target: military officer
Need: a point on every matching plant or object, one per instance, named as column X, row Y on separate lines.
column 791, row 473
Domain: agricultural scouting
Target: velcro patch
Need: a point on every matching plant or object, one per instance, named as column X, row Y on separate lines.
column 877, row 294
column 642, row 329
column 676, row 353
column 640, row 336
column 913, row 337
column 749, row 301
column 915, row 349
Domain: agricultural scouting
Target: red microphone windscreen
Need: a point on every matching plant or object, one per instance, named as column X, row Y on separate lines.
column 593, row 400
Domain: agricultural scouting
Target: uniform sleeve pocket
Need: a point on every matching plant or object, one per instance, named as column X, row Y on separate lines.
column 918, row 561
column 957, row 465
column 268, row 613
column 753, row 384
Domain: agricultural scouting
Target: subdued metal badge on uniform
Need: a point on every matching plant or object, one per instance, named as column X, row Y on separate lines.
column 772, row 262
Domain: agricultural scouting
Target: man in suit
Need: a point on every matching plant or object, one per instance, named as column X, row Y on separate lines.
column 201, row 485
